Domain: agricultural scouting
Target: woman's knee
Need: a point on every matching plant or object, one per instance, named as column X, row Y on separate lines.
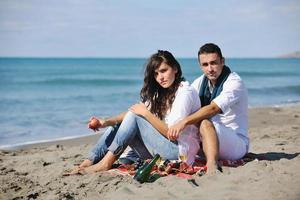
column 130, row 115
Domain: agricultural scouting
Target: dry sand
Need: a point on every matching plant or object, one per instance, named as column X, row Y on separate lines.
column 36, row 172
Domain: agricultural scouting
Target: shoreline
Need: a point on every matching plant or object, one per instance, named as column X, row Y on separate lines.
column 69, row 141
column 283, row 105
column 37, row 172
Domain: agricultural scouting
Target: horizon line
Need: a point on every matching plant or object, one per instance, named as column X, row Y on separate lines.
column 121, row 57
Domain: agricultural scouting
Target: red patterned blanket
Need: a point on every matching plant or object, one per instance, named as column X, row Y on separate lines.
column 179, row 169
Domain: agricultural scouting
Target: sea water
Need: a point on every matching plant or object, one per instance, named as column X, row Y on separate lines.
column 52, row 98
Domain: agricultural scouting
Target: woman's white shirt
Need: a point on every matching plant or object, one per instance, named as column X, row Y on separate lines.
column 185, row 103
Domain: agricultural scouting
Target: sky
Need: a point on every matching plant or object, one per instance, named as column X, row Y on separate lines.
column 135, row 28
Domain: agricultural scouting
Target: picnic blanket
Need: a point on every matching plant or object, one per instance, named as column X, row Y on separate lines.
column 178, row 168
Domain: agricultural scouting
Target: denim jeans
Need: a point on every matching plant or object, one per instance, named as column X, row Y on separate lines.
column 139, row 134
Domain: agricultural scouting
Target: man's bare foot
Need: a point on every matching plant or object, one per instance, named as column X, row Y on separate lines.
column 213, row 168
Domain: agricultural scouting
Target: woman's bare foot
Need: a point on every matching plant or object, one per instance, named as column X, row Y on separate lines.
column 86, row 163
column 73, row 171
column 104, row 165
column 77, row 169
column 94, row 168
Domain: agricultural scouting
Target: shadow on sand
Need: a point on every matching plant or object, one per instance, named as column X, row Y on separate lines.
column 271, row 156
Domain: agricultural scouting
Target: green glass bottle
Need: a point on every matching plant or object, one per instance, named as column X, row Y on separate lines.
column 143, row 174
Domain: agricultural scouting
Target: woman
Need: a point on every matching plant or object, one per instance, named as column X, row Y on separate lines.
column 165, row 99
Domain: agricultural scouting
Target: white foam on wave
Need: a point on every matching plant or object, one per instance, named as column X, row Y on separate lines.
column 284, row 104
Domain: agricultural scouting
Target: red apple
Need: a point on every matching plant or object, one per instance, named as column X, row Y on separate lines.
column 94, row 124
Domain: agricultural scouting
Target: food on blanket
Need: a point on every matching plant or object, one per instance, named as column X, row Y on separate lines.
column 138, row 164
column 168, row 169
column 183, row 166
column 201, row 171
column 143, row 174
column 163, row 164
column 171, row 166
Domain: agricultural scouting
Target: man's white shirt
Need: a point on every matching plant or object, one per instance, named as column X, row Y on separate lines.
column 233, row 101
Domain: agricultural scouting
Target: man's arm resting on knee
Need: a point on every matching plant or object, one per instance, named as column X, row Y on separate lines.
column 205, row 112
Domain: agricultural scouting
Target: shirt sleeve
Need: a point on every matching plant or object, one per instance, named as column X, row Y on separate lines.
column 232, row 92
column 186, row 102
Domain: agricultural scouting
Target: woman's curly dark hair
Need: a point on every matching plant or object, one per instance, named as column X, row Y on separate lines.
column 158, row 98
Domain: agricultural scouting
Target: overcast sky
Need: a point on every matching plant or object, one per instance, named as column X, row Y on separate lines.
column 135, row 28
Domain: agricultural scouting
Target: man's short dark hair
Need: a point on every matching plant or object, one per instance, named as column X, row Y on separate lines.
column 210, row 48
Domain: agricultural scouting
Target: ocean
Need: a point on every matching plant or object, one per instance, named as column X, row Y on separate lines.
column 45, row 99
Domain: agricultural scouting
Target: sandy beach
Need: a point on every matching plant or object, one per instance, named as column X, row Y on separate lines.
column 35, row 172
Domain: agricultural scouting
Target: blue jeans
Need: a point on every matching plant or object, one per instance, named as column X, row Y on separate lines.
column 139, row 134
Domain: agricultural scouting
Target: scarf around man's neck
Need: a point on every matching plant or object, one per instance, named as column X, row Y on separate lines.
column 205, row 96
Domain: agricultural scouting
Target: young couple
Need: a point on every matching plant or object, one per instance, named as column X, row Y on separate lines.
column 213, row 111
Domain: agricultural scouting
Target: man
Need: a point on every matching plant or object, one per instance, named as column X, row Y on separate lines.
column 223, row 117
